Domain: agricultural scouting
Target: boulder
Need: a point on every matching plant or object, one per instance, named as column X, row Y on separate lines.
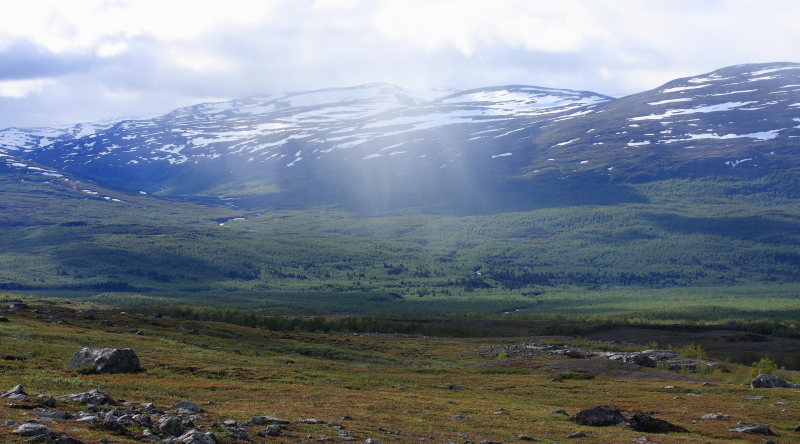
column 170, row 425
column 32, row 429
column 754, row 429
column 602, row 415
column 67, row 440
column 770, row 381
column 96, row 397
column 643, row 422
column 106, row 360
column 17, row 306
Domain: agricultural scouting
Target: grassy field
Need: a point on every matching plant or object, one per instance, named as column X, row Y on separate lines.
column 394, row 388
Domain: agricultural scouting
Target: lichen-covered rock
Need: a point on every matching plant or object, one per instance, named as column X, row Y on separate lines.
column 194, row 436
column 16, row 390
column 170, row 425
column 643, row 422
column 188, row 406
column 602, row 415
column 106, row 360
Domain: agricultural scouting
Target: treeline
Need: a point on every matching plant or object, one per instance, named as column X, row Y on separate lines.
column 317, row 324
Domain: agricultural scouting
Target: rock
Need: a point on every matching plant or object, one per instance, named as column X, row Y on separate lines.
column 47, row 401
column 769, row 441
column 194, row 436
column 770, row 381
column 16, row 390
column 599, row 416
column 523, row 437
column 643, row 422
column 96, row 397
column 372, row 441
column 4, row 319
column 577, row 435
column 755, row 429
column 716, row 416
column 67, row 440
column 113, row 424
column 187, row 405
column 9, row 422
column 559, row 412
column 310, row 421
column 797, row 429
column 106, row 360
column 230, row 423
column 90, row 419
column 32, row 429
column 170, row 425
column 486, row 441
column 261, row 420
column 17, row 306
column 271, row 430
column 458, row 417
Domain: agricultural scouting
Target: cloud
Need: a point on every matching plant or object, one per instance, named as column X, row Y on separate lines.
column 103, row 58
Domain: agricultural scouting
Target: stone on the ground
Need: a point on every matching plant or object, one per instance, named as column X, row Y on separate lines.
column 67, row 440
column 113, row 424
column 577, row 435
column 32, row 429
column 195, row 436
column 372, row 441
column 717, row 416
column 187, row 405
column 16, row 390
column 17, row 306
column 271, row 430
column 170, row 425
column 106, row 360
column 770, row 381
column 754, row 429
column 96, row 397
column 643, row 422
column 602, row 415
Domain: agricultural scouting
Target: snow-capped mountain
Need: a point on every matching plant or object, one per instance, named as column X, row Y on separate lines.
column 381, row 143
column 744, row 118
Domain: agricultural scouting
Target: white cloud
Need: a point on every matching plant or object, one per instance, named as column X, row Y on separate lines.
column 18, row 89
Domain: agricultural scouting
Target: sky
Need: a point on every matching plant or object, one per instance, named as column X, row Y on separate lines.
column 65, row 62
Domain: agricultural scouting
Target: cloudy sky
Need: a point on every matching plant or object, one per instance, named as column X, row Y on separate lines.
column 70, row 61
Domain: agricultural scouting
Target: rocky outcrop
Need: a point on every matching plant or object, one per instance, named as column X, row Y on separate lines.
column 771, row 381
column 106, row 360
column 602, row 415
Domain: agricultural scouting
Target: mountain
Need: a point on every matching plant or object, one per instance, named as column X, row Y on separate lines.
column 321, row 146
column 378, row 146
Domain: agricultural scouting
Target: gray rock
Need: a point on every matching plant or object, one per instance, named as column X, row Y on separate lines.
column 170, row 425
column 195, row 436
column 716, row 416
column 755, row 429
column 47, row 401
column 187, row 405
column 4, row 319
column 577, row 435
column 16, row 390
column 770, row 381
column 271, row 430
column 95, row 397
column 90, row 419
column 106, row 360
column 602, row 415
column 310, row 421
column 643, row 422
column 372, row 441
column 458, row 417
column 559, row 412
column 113, row 424
column 32, row 429
column 9, row 422
column 523, row 437
column 17, row 306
